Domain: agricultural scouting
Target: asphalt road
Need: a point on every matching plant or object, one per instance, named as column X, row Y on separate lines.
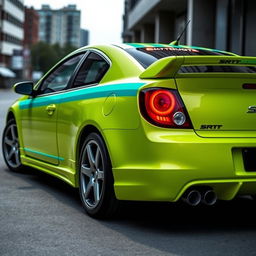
column 40, row 215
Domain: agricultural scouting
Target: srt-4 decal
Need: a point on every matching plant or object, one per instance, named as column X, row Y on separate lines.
column 211, row 127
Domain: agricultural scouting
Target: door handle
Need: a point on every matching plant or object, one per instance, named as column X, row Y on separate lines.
column 50, row 109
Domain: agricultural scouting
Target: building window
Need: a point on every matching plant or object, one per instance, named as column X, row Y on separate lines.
column 17, row 3
column 10, row 39
column 8, row 17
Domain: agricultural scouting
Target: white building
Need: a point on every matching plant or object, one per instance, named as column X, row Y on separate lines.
column 59, row 26
column 11, row 27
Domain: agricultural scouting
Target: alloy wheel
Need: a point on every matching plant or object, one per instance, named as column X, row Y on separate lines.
column 11, row 148
column 92, row 174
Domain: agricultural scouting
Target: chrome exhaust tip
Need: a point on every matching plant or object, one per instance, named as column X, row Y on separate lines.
column 209, row 197
column 192, row 197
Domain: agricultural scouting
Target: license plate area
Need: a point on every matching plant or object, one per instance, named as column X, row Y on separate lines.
column 249, row 158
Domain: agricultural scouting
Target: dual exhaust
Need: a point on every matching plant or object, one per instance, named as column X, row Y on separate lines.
column 194, row 197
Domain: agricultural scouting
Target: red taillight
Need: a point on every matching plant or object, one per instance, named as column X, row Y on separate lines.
column 163, row 107
column 162, row 102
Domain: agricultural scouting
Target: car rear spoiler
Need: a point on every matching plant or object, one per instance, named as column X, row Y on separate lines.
column 168, row 67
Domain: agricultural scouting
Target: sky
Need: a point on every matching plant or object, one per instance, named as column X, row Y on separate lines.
column 103, row 18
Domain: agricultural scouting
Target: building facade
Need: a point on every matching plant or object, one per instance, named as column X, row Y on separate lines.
column 31, row 27
column 84, row 37
column 60, row 26
column 223, row 24
column 11, row 29
column 31, row 37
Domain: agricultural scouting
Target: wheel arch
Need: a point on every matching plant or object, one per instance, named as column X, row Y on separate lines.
column 10, row 115
column 84, row 132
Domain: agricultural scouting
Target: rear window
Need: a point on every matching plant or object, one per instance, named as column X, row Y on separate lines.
column 148, row 55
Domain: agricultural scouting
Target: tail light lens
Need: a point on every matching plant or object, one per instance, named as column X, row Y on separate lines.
column 164, row 107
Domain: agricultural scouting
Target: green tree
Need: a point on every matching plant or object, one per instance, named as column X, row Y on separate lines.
column 44, row 55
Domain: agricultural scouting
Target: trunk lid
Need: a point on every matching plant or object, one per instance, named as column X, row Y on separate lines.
column 219, row 92
column 219, row 106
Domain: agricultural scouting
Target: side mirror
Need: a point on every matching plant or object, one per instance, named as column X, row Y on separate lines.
column 25, row 88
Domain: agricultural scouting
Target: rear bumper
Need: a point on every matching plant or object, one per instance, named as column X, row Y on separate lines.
column 159, row 164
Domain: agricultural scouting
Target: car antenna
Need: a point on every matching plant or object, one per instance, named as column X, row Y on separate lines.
column 176, row 42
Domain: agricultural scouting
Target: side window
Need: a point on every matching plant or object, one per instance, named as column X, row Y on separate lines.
column 59, row 78
column 92, row 70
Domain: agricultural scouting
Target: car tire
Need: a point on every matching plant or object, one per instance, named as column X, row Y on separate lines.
column 96, row 179
column 11, row 146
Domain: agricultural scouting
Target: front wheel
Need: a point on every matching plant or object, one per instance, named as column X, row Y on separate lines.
column 10, row 146
column 96, row 178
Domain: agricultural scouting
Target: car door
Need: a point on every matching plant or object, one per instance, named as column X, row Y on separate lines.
column 71, row 110
column 39, row 115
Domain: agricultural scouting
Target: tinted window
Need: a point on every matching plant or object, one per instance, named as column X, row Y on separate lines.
column 147, row 56
column 59, row 78
column 92, row 70
column 217, row 69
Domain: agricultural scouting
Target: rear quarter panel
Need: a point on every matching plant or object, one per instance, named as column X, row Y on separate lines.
column 117, row 109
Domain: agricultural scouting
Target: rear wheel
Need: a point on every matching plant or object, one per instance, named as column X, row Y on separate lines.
column 11, row 147
column 96, row 179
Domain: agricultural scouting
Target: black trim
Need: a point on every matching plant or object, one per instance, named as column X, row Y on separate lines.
column 73, row 77
column 249, row 159
column 77, row 70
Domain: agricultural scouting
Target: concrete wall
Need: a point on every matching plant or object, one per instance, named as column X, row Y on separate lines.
column 142, row 8
column 147, row 34
column 201, row 31
column 250, row 28
column 236, row 26
column 222, row 24
column 164, row 27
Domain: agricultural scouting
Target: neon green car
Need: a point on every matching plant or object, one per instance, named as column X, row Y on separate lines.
column 144, row 122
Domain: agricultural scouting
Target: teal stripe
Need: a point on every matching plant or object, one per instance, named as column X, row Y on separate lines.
column 44, row 154
column 147, row 45
column 136, row 45
column 158, row 45
column 125, row 89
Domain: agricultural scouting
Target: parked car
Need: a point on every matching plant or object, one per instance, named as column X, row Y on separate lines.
column 144, row 122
